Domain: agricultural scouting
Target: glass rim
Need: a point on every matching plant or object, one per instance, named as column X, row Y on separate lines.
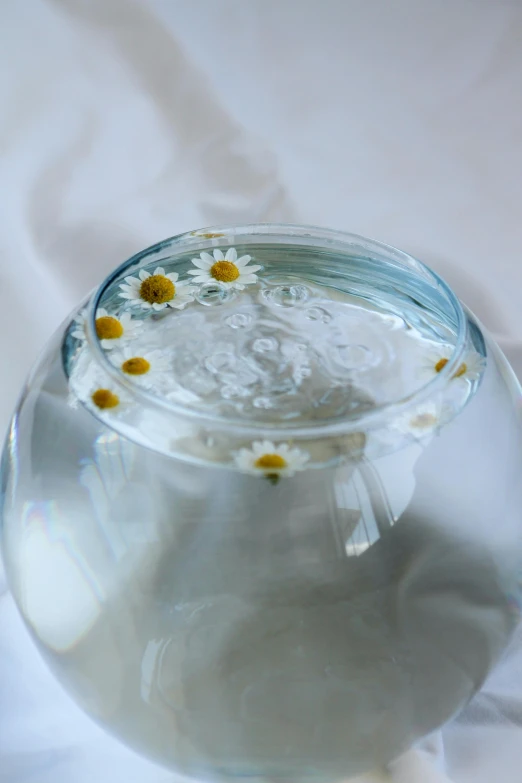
column 204, row 239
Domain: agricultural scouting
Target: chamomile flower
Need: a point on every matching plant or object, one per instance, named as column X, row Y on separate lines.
column 90, row 385
column 437, row 358
column 265, row 458
column 229, row 270
column 419, row 422
column 157, row 291
column 145, row 367
column 103, row 397
column 111, row 329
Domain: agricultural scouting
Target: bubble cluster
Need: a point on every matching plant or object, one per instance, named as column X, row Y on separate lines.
column 280, row 351
column 239, row 320
column 318, row 314
column 354, row 356
column 214, row 294
column 286, row 295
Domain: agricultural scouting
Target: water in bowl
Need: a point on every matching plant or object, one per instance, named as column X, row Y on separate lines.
column 229, row 625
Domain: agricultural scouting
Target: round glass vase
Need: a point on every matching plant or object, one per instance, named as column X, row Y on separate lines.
column 261, row 503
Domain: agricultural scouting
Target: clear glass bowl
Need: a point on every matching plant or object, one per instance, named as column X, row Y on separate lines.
column 262, row 516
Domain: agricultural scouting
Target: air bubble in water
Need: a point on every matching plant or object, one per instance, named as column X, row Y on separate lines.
column 264, row 344
column 220, row 362
column 353, row 356
column 286, row 295
column 232, row 392
column 213, row 294
column 239, row 320
column 318, row 314
column 262, row 402
column 302, row 372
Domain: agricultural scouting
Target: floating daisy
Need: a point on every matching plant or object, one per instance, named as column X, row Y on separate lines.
column 157, row 291
column 105, row 397
column 436, row 359
column 111, row 329
column 143, row 367
column 271, row 460
column 229, row 270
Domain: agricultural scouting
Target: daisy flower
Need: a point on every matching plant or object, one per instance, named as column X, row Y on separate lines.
column 229, row 270
column 111, row 330
column 437, row 358
column 157, row 291
column 419, row 422
column 143, row 367
column 104, row 397
column 271, row 461
column 94, row 388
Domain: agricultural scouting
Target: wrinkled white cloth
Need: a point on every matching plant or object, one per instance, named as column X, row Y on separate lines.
column 126, row 121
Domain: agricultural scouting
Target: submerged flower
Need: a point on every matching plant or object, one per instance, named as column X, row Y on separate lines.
column 157, row 291
column 105, row 397
column 437, row 358
column 229, row 270
column 271, row 460
column 143, row 367
column 111, row 330
column 419, row 422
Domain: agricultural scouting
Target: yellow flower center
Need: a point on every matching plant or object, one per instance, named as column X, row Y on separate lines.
column 104, row 398
column 108, row 328
column 270, row 462
column 225, row 271
column 460, row 372
column 157, row 289
column 440, row 365
column 136, row 366
column 424, row 421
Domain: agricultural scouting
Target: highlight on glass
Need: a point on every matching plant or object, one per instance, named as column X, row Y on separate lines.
column 261, row 503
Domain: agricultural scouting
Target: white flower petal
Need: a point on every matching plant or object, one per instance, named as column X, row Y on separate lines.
column 200, row 264
column 172, row 276
column 143, row 275
column 231, row 254
column 125, row 320
column 243, row 261
column 160, row 271
column 218, row 255
column 207, row 258
column 204, row 278
column 178, row 305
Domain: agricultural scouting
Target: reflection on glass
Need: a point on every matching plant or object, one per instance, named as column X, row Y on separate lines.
column 262, row 507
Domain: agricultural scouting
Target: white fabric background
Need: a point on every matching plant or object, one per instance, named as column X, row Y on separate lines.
column 123, row 122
